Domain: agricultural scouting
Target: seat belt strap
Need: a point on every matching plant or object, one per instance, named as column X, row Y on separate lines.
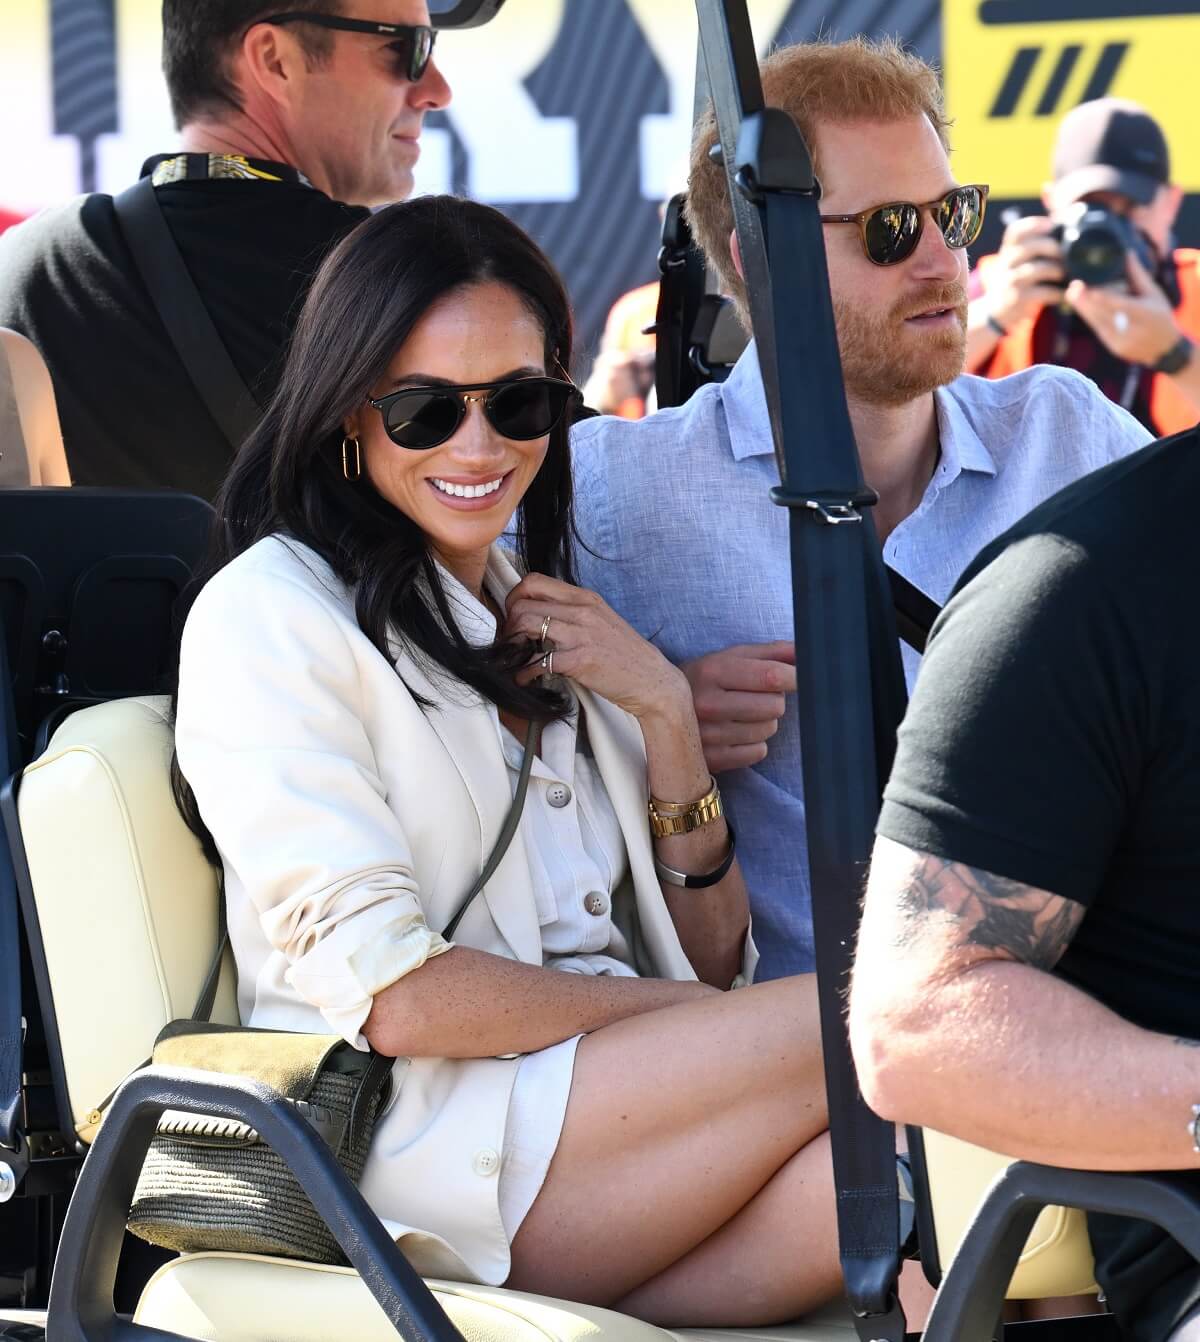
column 845, row 664
column 179, row 306
column 850, row 684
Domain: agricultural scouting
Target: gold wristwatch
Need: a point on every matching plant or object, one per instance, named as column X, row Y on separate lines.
column 669, row 817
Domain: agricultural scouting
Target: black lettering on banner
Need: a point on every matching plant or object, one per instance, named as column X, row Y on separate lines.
column 1020, row 69
column 1066, row 11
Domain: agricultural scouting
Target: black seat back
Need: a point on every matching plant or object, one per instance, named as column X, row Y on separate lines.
column 89, row 582
column 89, row 579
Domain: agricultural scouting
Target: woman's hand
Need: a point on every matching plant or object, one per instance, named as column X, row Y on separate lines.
column 595, row 647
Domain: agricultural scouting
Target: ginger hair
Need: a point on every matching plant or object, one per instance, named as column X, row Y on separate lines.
column 815, row 82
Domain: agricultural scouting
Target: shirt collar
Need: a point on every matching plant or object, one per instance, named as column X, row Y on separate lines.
column 476, row 623
column 962, row 449
column 745, row 404
column 749, row 424
column 166, row 168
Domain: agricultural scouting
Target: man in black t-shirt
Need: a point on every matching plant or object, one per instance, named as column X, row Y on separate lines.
column 290, row 125
column 1028, row 972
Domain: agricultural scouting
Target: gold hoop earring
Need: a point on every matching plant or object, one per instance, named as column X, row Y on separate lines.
column 357, row 472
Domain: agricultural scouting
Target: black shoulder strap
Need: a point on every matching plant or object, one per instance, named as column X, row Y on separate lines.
column 178, row 303
column 915, row 612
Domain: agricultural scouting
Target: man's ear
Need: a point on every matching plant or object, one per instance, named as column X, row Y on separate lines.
column 735, row 254
column 271, row 60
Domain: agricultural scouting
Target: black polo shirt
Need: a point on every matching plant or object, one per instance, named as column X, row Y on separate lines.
column 1054, row 739
column 129, row 411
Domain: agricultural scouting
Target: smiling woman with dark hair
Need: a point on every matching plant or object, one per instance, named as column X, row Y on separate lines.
column 580, row 1107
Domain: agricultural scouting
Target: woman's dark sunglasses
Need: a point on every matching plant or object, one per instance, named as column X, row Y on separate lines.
column 413, row 42
column 520, row 409
column 890, row 233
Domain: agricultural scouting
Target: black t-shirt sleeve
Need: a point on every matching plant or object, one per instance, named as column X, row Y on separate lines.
column 1021, row 746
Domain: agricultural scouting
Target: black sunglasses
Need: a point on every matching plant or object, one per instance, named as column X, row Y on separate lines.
column 413, row 44
column 520, row 409
column 890, row 233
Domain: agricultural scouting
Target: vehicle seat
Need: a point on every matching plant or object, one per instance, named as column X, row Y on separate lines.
column 1057, row 1258
column 123, row 909
column 243, row 1298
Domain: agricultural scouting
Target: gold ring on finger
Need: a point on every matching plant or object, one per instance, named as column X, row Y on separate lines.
column 542, row 637
column 548, row 662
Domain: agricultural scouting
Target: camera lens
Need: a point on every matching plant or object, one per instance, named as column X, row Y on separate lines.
column 1094, row 247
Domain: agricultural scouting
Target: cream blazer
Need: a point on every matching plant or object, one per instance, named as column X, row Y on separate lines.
column 351, row 821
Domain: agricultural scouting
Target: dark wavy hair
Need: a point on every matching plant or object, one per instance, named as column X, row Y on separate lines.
column 288, row 480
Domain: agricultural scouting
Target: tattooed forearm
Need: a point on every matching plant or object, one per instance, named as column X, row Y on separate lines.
column 1019, row 921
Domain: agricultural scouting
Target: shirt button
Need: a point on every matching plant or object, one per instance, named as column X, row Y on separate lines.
column 596, row 904
column 486, row 1162
column 558, row 795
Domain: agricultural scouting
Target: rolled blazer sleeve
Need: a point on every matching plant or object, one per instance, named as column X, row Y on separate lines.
column 271, row 737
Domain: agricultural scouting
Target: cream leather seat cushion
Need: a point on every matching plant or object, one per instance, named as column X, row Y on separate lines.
column 124, row 893
column 1057, row 1258
column 245, row 1298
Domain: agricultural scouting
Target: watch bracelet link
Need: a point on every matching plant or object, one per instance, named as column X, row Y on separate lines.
column 668, row 817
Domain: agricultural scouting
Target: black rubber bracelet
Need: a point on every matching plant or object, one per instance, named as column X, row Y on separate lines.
column 994, row 325
column 1176, row 358
column 688, row 882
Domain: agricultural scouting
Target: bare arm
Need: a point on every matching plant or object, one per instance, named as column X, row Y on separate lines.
column 956, row 1024
column 38, row 411
column 711, row 923
column 1025, row 275
column 470, row 1004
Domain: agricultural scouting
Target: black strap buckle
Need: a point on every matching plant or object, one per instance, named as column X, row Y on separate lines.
column 834, row 508
column 887, row 1327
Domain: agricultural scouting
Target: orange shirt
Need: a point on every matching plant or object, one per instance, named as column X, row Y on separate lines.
column 1170, row 410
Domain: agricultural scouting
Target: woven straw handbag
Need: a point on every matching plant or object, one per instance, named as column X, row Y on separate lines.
column 212, row 1184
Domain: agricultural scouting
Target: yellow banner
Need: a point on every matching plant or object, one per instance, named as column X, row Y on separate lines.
column 1014, row 67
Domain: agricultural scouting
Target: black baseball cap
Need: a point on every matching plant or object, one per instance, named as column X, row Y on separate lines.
column 1109, row 144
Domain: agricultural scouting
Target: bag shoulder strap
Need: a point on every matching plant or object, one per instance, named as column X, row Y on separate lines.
column 533, row 739
column 208, row 993
column 188, row 323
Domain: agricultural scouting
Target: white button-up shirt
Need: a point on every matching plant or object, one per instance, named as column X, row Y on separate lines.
column 692, row 552
column 577, row 856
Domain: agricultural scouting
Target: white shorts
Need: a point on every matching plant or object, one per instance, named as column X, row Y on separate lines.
column 536, row 1111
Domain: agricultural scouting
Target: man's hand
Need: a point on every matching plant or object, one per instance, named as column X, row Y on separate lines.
column 1139, row 326
column 617, row 378
column 1027, row 273
column 740, row 697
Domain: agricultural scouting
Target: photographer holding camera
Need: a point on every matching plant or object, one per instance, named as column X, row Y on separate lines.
column 1098, row 286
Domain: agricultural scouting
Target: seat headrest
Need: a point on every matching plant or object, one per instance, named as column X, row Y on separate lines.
column 126, row 901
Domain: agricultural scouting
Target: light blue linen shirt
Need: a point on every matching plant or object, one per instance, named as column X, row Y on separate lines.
column 692, row 552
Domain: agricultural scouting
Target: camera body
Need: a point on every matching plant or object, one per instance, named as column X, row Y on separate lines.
column 1095, row 241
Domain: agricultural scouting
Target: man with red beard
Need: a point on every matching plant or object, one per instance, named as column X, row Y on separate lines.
column 684, row 540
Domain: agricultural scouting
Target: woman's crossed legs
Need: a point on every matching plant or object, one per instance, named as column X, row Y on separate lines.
column 692, row 1182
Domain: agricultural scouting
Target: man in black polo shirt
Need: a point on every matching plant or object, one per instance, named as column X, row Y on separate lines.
column 1028, row 972
column 292, row 119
